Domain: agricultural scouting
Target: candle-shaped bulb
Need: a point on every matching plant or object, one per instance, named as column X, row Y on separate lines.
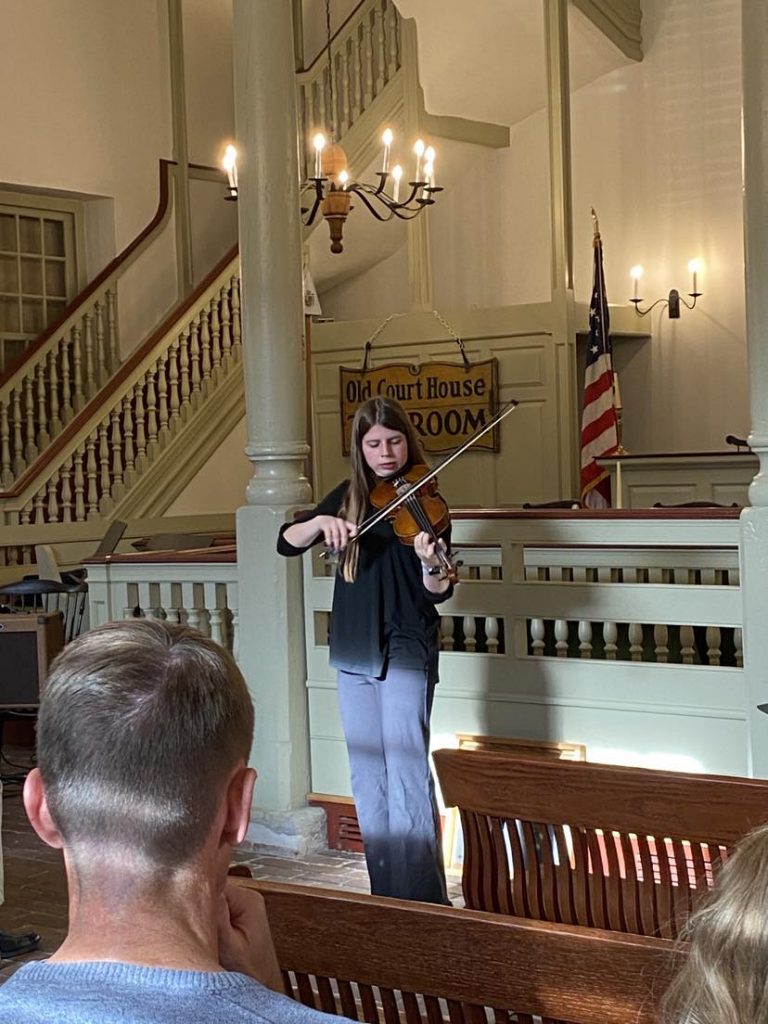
column 229, row 163
column 693, row 269
column 429, row 154
column 386, row 138
column 418, row 149
column 343, row 178
column 397, row 173
column 319, row 143
column 428, row 173
column 636, row 273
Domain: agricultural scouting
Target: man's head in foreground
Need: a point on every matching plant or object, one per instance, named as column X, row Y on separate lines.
column 144, row 733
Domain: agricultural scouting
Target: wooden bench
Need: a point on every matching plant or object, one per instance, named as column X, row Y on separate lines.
column 389, row 961
column 626, row 849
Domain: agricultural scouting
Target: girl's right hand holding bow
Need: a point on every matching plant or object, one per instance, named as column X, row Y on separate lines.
column 336, row 532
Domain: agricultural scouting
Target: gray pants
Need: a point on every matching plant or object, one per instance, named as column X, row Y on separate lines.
column 386, row 725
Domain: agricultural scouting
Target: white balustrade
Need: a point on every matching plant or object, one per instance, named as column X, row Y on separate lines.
column 203, row 596
column 140, row 418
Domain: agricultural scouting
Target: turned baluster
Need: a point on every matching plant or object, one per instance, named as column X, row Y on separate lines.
column 321, row 85
column 636, row 641
column 39, row 503
column 6, row 472
column 356, row 72
column 91, row 384
column 561, row 638
column 215, row 617
column 53, row 394
column 585, row 639
column 610, row 638
column 163, row 433
column 168, row 602
column 236, row 333
column 66, row 491
column 687, row 645
column 205, row 352
column 30, row 448
column 25, row 514
column 151, row 416
column 194, row 362
column 67, row 410
column 193, row 617
column 469, row 628
column 174, row 401
column 393, row 33
column 105, row 479
column 43, row 437
column 91, row 472
column 102, row 356
column 713, row 645
column 343, row 66
column 112, row 330
column 661, row 641
column 18, row 444
column 140, row 427
column 215, row 328
column 381, row 53
column 53, row 501
column 537, row 637
column 367, row 61
column 226, row 334
column 491, row 634
column 233, row 605
column 77, row 368
column 186, row 391
column 116, row 445
column 129, row 449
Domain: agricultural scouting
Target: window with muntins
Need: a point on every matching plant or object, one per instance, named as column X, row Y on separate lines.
column 38, row 273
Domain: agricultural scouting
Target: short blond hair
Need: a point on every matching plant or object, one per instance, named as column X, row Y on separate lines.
column 141, row 723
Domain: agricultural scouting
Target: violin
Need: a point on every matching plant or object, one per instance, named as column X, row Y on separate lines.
column 423, row 510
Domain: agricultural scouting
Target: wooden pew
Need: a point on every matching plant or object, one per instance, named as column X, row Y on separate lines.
column 626, row 849
column 395, row 962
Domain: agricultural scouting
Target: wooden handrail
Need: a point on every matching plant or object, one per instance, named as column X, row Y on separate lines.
column 125, row 370
column 114, row 265
column 339, row 30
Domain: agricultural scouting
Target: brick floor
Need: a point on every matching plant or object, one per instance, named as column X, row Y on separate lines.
column 35, row 883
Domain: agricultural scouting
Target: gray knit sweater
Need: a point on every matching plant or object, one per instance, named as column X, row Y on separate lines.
column 103, row 993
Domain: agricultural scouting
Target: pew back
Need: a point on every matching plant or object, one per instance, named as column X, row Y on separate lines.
column 393, row 962
column 626, row 849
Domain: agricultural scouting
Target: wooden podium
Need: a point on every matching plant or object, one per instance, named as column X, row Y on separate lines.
column 28, row 643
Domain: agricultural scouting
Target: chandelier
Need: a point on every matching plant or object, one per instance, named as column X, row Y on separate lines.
column 329, row 191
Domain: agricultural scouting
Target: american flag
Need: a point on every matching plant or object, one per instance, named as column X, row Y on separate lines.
column 599, row 428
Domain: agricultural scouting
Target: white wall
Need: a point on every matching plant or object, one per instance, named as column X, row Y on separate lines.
column 656, row 149
column 220, row 484
column 84, row 101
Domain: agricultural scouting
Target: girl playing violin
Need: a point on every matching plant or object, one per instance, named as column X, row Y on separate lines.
column 384, row 642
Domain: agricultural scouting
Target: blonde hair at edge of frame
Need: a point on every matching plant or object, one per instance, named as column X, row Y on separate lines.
column 725, row 977
column 385, row 412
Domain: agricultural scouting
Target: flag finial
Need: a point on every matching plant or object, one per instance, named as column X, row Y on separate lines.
column 595, row 227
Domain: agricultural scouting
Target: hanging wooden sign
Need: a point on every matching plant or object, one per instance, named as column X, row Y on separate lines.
column 446, row 402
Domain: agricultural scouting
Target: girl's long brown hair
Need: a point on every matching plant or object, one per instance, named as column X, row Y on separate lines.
column 384, row 412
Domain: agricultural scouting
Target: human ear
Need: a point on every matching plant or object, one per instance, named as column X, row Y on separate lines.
column 36, row 806
column 239, row 799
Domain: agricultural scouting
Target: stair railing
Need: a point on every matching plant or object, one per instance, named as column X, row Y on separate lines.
column 103, row 450
column 64, row 368
column 366, row 56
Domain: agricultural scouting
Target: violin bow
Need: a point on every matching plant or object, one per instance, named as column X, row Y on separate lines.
column 401, row 498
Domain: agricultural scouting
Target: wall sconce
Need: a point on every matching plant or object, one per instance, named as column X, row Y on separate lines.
column 674, row 299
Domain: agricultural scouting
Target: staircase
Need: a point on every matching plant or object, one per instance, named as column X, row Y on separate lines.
column 85, row 436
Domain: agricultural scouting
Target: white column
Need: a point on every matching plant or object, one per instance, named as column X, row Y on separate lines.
column 271, row 607
column 754, row 520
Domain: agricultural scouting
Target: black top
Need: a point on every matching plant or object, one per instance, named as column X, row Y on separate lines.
column 387, row 616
